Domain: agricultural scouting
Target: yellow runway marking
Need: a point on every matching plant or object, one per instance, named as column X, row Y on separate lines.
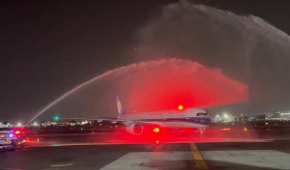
column 197, row 157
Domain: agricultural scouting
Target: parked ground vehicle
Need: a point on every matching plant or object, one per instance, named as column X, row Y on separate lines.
column 12, row 138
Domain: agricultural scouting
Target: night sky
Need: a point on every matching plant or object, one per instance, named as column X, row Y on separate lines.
column 48, row 48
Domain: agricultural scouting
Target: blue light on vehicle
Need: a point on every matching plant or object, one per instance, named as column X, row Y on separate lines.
column 10, row 135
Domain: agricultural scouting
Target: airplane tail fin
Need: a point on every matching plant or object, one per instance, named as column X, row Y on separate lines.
column 119, row 106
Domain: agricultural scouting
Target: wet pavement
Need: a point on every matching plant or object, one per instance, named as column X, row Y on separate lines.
column 217, row 156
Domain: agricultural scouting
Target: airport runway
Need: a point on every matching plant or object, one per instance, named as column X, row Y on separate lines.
column 217, row 156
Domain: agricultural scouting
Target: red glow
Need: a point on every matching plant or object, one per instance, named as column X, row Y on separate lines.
column 157, row 142
column 180, row 107
column 17, row 132
column 156, row 130
column 226, row 129
column 186, row 135
column 178, row 84
column 152, row 86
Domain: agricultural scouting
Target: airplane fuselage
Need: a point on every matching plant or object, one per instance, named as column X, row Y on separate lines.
column 195, row 118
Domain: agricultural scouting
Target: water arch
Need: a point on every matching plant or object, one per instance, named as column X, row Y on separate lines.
column 148, row 86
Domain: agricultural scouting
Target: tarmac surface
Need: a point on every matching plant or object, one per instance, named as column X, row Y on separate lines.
column 66, row 152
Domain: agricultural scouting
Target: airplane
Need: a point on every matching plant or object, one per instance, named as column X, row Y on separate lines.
column 195, row 118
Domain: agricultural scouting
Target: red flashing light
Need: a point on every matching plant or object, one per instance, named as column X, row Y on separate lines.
column 157, row 142
column 17, row 132
column 156, row 130
column 226, row 129
column 180, row 107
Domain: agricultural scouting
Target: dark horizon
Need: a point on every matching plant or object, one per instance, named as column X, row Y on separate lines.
column 49, row 48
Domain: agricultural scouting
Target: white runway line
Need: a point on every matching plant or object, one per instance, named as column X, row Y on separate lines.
column 61, row 165
column 255, row 158
column 137, row 160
